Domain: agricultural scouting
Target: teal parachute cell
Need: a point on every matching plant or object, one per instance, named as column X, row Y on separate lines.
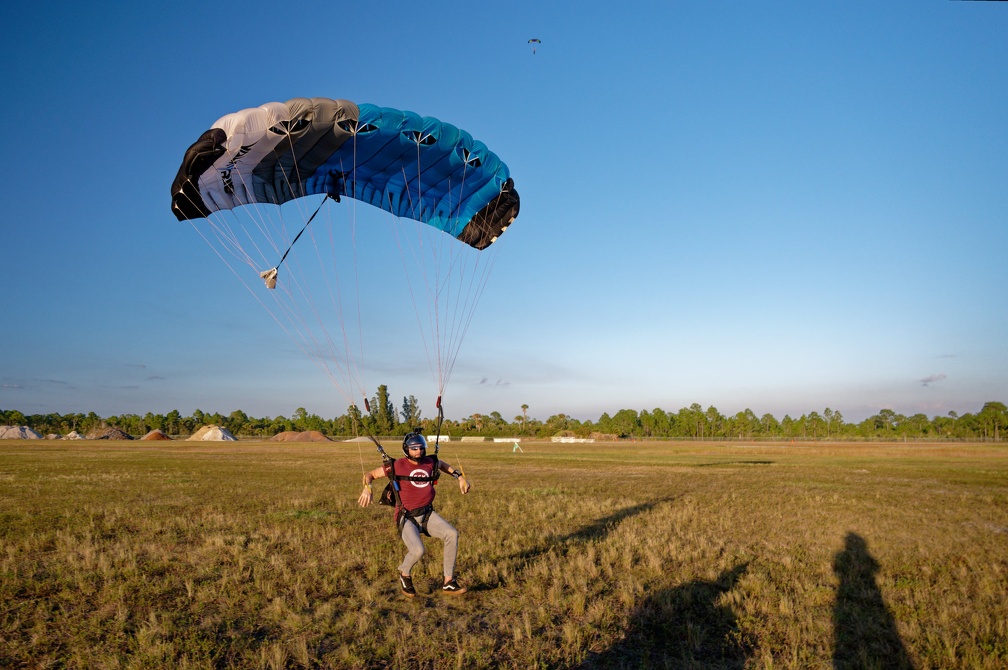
column 412, row 166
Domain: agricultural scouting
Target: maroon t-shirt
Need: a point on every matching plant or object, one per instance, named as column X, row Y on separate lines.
column 415, row 495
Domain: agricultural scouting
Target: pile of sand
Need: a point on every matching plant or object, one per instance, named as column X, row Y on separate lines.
column 294, row 436
column 18, row 433
column 108, row 434
column 73, row 435
column 156, row 434
column 212, row 434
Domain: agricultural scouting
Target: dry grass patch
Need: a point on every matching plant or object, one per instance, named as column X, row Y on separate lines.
column 239, row 555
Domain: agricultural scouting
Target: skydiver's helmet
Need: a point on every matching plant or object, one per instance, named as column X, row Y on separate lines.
column 414, row 440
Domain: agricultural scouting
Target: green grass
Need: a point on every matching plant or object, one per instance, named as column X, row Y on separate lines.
column 255, row 555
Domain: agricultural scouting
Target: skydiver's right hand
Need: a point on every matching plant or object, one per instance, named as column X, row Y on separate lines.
column 365, row 497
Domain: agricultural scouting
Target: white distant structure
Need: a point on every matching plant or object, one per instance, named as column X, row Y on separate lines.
column 443, row 438
column 212, row 434
column 571, row 440
column 18, row 433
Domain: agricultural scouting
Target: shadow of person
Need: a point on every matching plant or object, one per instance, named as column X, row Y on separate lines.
column 864, row 630
column 596, row 530
column 681, row 627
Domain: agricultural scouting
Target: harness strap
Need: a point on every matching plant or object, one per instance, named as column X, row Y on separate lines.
column 416, row 478
column 422, row 512
column 403, row 513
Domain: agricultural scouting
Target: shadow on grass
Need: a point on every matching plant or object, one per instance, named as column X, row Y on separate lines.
column 863, row 628
column 730, row 463
column 596, row 530
column 680, row 627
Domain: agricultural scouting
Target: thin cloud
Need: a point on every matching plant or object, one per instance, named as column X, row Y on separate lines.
column 932, row 379
column 36, row 383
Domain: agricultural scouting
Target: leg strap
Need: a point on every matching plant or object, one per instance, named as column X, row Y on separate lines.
column 422, row 513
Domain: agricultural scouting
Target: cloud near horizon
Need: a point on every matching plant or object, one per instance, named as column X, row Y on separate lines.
column 932, row 379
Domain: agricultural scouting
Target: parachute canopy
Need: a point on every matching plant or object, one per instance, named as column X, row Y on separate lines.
column 412, row 166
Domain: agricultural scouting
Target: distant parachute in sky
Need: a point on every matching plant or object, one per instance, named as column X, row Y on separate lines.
column 534, row 41
column 249, row 184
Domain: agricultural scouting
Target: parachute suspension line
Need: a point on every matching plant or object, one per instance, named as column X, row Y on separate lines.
column 431, row 334
column 466, row 265
column 318, row 347
column 381, row 450
column 270, row 276
column 479, row 278
column 453, row 288
column 220, row 230
column 433, row 305
column 355, row 370
column 353, row 365
column 356, row 265
column 294, row 321
column 358, row 423
column 458, row 266
column 347, row 367
column 288, row 314
column 437, row 436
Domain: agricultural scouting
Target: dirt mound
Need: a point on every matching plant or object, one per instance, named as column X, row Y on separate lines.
column 305, row 436
column 73, row 435
column 109, row 433
column 212, row 434
column 18, row 433
column 156, row 434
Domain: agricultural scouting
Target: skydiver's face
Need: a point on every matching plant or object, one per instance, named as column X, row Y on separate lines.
column 415, row 453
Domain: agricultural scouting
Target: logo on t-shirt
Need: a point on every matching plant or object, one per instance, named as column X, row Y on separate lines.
column 419, row 472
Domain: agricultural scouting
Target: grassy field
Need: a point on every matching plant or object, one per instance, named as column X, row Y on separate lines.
column 255, row 555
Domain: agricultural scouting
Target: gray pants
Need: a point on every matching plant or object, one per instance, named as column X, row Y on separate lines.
column 437, row 527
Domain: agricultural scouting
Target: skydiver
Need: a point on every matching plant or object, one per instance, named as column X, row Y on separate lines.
column 414, row 510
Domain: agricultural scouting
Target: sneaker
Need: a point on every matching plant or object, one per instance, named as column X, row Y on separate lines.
column 407, row 586
column 453, row 587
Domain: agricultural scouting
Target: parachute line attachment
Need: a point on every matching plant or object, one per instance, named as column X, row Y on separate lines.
column 270, row 276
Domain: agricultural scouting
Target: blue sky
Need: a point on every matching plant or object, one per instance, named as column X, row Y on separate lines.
column 779, row 206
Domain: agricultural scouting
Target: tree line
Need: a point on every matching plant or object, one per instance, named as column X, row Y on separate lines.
column 383, row 418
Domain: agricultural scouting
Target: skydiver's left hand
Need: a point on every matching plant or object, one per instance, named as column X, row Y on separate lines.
column 463, row 484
